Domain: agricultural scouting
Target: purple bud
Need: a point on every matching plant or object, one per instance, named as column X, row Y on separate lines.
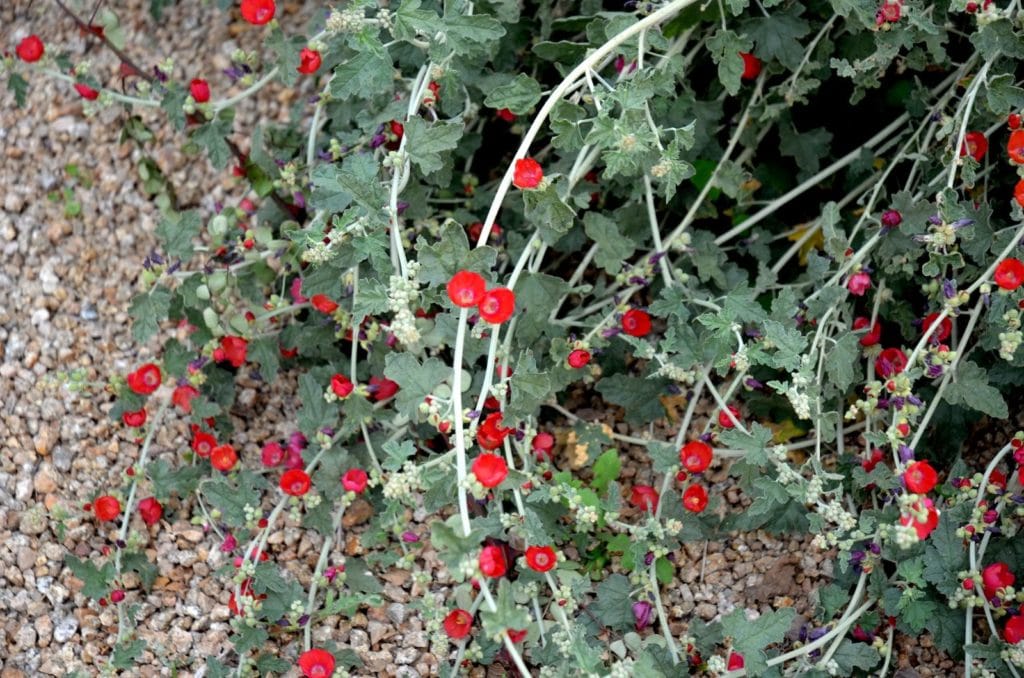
column 949, row 288
column 410, row 537
column 648, row 558
column 377, row 140
column 643, row 614
column 906, row 453
column 891, row 218
column 402, row 206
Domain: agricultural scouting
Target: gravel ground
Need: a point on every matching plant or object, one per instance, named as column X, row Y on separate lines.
column 67, row 281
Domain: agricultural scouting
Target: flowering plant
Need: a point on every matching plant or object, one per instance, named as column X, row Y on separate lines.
column 833, row 306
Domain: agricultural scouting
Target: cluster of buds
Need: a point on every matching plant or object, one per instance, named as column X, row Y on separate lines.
column 402, row 292
column 1010, row 340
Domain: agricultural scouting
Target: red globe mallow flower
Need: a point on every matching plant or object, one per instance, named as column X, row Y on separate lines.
column 342, row 386
column 725, row 421
column 890, row 362
column 183, row 396
column 1009, row 274
column 859, row 283
column 106, row 508
column 466, row 289
column 1013, row 632
column 1018, row 192
column 30, row 49
column 203, row 443
column 151, row 510
column 541, row 558
column 223, row 457
column 309, row 61
column 873, row 460
column 295, row 482
column 920, row 477
column 995, row 577
column 200, row 91
column 931, row 521
column 316, row 663
column 490, row 469
column 944, row 329
column 272, row 454
column 458, row 624
column 516, row 636
column 145, row 380
column 578, row 358
column 117, row 596
column 873, row 335
column 233, row 350
column 86, row 92
column 695, row 498
column 1013, row 121
column 543, row 444
column 696, row 456
column 751, row 66
column 636, row 322
column 491, row 434
column 497, row 305
column 528, row 174
column 644, row 497
column 134, row 419
column 258, row 12
column 975, row 144
column 1015, row 146
column 355, row 480
column 492, row 561
column 382, row 388
column 735, row 662
column 323, row 303
column 889, row 13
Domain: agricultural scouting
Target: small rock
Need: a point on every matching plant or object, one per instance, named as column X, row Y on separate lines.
column 358, row 513
column 359, row 640
column 377, row 631
column 181, row 640
column 26, row 637
column 88, row 312
column 194, row 536
column 44, row 482
column 407, row 655
column 26, row 558
column 396, row 613
column 65, row 628
column 33, row 521
column 44, row 629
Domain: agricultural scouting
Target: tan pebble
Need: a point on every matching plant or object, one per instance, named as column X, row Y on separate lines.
column 194, row 536
column 44, row 482
column 358, row 513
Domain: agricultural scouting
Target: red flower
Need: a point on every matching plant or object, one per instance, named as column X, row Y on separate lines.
column 309, row 61
column 492, row 561
column 516, row 636
column 872, row 336
column 579, row 358
column 1015, row 146
column 1009, row 274
column 974, row 144
column 944, row 329
column 543, row 443
column 203, row 443
column 295, row 482
column 458, row 624
column 355, row 480
column 751, row 66
column 735, row 661
column 695, row 498
column 272, row 454
column 150, row 510
column 871, row 462
column 145, row 380
column 232, row 349
column 382, row 388
column 183, row 396
column 490, row 469
column 106, row 508
column 506, row 115
column 996, row 576
column 920, row 477
column 466, row 289
column 636, row 323
column 323, row 303
column 134, row 419
column 696, row 456
column 644, row 497
column 541, row 558
column 497, row 305
column 30, row 49
column 1018, row 192
column 223, row 457
column 724, row 420
column 491, row 435
column 341, row 385
column 258, row 12
column 528, row 173
column 86, row 92
column 858, row 283
column 200, row 91
column 931, row 521
column 1013, row 632
column 316, row 663
column 890, row 362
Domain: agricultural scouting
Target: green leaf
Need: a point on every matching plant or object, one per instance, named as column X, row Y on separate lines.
column 725, row 47
column 613, row 248
column 211, row 136
column 426, row 142
column 614, row 607
column 640, row 398
column 851, row 655
column 807, row 148
column 286, row 52
column 1003, row 95
column 98, row 580
column 315, row 412
column 363, row 76
column 357, row 179
column 450, row 253
column 359, row 578
column 176, row 230
column 410, row 21
column 606, row 469
column 138, row 562
column 268, row 663
column 265, row 352
column 778, row 37
column 464, row 32
column 19, row 87
column 945, row 555
column 970, row 388
column 417, row 380
column 518, row 95
column 537, row 294
column 147, row 310
column 167, row 479
column 246, row 638
column 750, row 638
column 842, row 362
column 506, row 615
column 173, row 102
column 231, row 497
column 545, row 210
column 530, row 387
column 126, row 653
